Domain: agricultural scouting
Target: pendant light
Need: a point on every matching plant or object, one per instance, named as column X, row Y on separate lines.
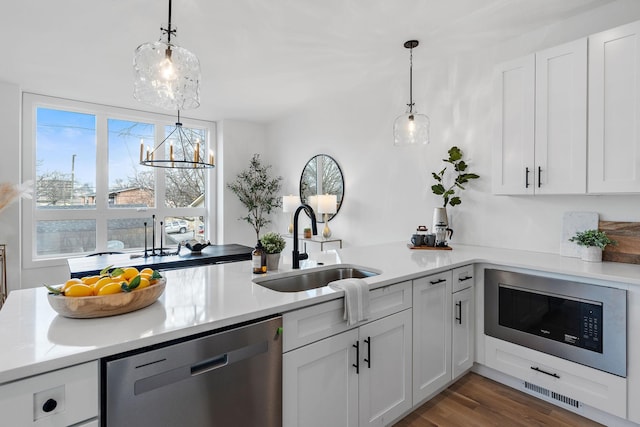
column 184, row 153
column 166, row 76
column 411, row 128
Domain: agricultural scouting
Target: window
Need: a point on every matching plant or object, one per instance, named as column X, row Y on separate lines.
column 90, row 192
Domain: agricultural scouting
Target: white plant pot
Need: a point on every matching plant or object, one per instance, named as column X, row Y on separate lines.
column 591, row 254
column 272, row 261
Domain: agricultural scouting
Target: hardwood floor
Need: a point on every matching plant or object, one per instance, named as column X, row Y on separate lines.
column 476, row 401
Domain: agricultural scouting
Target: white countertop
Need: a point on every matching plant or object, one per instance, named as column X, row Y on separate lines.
column 36, row 340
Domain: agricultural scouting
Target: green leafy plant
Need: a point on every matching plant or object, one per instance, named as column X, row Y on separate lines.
column 273, row 243
column 592, row 238
column 449, row 196
column 258, row 191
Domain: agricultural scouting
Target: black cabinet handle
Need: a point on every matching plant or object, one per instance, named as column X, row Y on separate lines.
column 435, row 282
column 459, row 316
column 49, row 405
column 357, row 364
column 539, row 175
column 368, row 359
column 526, row 177
column 464, row 279
column 535, row 368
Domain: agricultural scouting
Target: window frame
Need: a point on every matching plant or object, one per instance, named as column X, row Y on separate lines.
column 102, row 212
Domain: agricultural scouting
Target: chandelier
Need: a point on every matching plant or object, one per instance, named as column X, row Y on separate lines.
column 184, row 152
column 166, row 75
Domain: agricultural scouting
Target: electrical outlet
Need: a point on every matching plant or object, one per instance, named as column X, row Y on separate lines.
column 48, row 402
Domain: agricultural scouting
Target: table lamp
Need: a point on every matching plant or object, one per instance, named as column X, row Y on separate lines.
column 290, row 204
column 327, row 204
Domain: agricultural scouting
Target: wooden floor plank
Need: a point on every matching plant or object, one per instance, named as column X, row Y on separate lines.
column 476, row 401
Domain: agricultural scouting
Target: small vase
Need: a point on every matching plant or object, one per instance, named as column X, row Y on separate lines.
column 591, row 254
column 439, row 217
column 272, row 261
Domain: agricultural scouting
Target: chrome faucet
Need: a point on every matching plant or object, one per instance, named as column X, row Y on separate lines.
column 297, row 256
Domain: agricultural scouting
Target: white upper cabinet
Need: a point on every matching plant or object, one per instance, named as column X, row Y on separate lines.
column 561, row 119
column 513, row 150
column 542, row 141
column 614, row 113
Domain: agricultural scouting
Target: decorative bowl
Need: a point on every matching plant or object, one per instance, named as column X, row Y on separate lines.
column 196, row 246
column 106, row 305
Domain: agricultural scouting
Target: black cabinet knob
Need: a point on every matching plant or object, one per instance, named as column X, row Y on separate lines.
column 49, row 405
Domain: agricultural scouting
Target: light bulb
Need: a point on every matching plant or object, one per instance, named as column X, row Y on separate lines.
column 167, row 70
column 411, row 126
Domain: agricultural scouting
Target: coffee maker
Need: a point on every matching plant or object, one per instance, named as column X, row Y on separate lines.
column 443, row 233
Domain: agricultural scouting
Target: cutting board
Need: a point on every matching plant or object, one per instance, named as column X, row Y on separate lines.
column 627, row 234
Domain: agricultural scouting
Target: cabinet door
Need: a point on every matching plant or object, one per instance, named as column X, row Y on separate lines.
column 320, row 385
column 633, row 355
column 614, row 112
column 58, row 398
column 462, row 332
column 513, row 148
column 431, row 335
column 561, row 119
column 385, row 369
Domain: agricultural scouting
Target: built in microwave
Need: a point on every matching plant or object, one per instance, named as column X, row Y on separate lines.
column 580, row 322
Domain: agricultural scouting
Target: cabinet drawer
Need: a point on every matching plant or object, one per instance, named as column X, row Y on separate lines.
column 463, row 278
column 314, row 323
column 578, row 383
column 69, row 395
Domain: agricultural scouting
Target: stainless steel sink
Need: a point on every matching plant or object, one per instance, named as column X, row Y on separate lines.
column 312, row 279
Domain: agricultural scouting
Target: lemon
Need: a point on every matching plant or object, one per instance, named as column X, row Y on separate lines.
column 147, row 270
column 78, row 290
column 110, row 288
column 90, row 280
column 70, row 283
column 129, row 273
column 144, row 282
column 100, row 283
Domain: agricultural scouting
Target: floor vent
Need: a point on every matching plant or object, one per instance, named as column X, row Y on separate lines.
column 551, row 394
column 540, row 390
column 566, row 400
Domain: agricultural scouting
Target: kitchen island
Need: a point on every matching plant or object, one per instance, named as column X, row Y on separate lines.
column 207, row 298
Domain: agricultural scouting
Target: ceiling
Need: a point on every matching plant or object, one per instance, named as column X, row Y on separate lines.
column 259, row 58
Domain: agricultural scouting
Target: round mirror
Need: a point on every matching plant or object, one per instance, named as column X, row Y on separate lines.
column 321, row 175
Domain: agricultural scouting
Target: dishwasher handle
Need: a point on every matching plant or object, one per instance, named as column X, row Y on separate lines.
column 209, row 365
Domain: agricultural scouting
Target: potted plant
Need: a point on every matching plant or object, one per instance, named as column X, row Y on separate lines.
column 258, row 192
column 448, row 186
column 593, row 243
column 272, row 244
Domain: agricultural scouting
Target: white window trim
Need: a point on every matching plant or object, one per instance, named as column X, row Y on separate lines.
column 102, row 213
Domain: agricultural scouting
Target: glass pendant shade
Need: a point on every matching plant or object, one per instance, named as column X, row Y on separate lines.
column 411, row 128
column 166, row 76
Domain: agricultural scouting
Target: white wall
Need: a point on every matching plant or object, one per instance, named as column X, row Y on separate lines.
column 10, row 172
column 388, row 188
column 237, row 142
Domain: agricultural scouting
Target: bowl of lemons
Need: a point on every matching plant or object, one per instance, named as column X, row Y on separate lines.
column 114, row 291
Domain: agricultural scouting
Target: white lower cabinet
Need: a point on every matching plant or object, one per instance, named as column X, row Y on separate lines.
column 633, row 353
column 558, row 379
column 462, row 342
column 58, row 398
column 361, row 377
column 431, row 334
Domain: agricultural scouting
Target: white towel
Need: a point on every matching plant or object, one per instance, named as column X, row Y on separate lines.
column 356, row 299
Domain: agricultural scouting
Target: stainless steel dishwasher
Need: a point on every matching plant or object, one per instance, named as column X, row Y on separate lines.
column 231, row 378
